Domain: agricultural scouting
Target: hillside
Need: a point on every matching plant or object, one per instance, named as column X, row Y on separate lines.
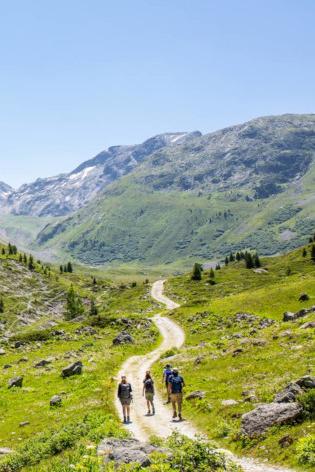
column 240, row 352
column 250, row 185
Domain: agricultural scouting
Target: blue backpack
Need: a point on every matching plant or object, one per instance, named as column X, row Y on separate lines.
column 176, row 382
column 167, row 373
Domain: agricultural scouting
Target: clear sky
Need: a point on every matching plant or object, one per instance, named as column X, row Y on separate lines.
column 80, row 75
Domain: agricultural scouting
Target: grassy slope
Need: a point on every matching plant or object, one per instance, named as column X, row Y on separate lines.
column 287, row 352
column 87, row 394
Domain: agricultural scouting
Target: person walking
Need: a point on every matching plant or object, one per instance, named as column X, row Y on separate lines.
column 148, row 392
column 175, row 387
column 167, row 372
column 125, row 396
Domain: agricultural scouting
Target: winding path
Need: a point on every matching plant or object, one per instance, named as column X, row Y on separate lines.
column 142, row 427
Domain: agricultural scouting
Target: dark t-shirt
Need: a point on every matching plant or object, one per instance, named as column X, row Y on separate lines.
column 124, row 390
column 148, row 385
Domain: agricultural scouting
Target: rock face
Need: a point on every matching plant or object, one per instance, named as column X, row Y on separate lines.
column 289, row 316
column 15, row 382
column 72, row 369
column 289, row 394
column 256, row 422
column 123, row 338
column 126, row 451
column 65, row 193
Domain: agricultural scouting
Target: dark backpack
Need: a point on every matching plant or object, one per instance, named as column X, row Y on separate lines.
column 148, row 386
column 125, row 390
column 176, row 383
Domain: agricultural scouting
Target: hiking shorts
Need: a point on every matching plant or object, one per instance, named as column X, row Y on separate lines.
column 149, row 396
column 125, row 401
column 177, row 398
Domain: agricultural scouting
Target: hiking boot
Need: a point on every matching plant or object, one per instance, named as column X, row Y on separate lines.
column 174, row 415
column 180, row 417
column 148, row 413
column 153, row 411
column 128, row 419
column 125, row 420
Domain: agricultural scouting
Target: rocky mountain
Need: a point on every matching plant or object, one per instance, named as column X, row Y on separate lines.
column 5, row 191
column 65, row 193
column 250, row 185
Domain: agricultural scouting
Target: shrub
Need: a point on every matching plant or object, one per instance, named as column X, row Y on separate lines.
column 307, row 401
column 306, row 450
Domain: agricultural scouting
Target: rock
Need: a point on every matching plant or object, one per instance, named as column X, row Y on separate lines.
column 15, row 382
column 288, row 316
column 259, row 342
column 17, row 344
column 309, row 324
column 198, row 360
column 56, row 400
column 7, row 366
column 289, row 394
column 24, row 423
column 23, row 359
column 303, row 297
column 251, row 398
column 237, row 352
column 229, row 402
column 265, row 323
column 198, row 394
column 5, row 450
column 257, row 421
column 2, row 352
column 306, row 382
column 42, row 363
column 86, row 330
column 72, row 369
column 126, row 451
column 286, row 441
column 123, row 338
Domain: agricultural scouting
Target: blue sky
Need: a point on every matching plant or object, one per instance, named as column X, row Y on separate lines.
column 78, row 76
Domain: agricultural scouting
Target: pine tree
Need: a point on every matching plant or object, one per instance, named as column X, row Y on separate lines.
column 310, row 240
column 25, row 258
column 31, row 262
column 217, row 267
column 10, row 249
column 249, row 260
column 1, row 305
column 65, row 268
column 20, row 258
column 256, row 260
column 211, row 274
column 226, row 260
column 232, row 258
column 304, row 252
column 74, row 306
column 69, row 267
column 93, row 308
column 313, row 253
column 3, row 251
column 238, row 256
column 61, row 269
column 95, row 283
column 196, row 273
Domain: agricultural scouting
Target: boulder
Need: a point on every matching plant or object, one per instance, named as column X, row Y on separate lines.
column 7, row 366
column 86, row 330
column 2, row 352
column 198, row 394
column 229, row 402
column 23, row 359
column 286, row 441
column 303, row 297
column 309, row 324
column 5, row 450
column 123, row 338
column 24, row 423
column 15, row 382
column 126, row 451
column 56, row 400
column 42, row 363
column 72, row 369
column 289, row 394
column 237, row 352
column 257, row 421
column 288, row 316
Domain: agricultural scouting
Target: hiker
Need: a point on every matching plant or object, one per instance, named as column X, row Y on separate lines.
column 125, row 396
column 148, row 392
column 166, row 374
column 175, row 387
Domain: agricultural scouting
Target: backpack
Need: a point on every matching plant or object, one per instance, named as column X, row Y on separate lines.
column 125, row 390
column 167, row 373
column 176, row 383
column 148, row 385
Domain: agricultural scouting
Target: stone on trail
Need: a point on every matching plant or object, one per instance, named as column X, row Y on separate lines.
column 126, row 451
column 257, row 421
column 123, row 338
column 15, row 382
column 2, row 352
column 5, row 450
column 229, row 402
column 72, row 369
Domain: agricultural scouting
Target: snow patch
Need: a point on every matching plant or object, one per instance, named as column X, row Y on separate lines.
column 81, row 175
column 177, row 137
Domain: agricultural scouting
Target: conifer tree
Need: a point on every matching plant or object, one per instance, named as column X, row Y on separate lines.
column 93, row 308
column 74, row 306
column 313, row 253
column 65, row 268
column 69, row 267
column 211, row 274
column 3, row 251
column 232, row 258
column 95, row 283
column 249, row 260
column 20, row 258
column 256, row 260
column 238, row 256
column 25, row 258
column 226, row 261
column 61, row 269
column 10, row 249
column 217, row 267
column 304, row 252
column 196, row 273
column 1, row 305
column 31, row 262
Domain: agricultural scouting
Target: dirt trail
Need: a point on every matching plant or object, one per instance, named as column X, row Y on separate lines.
column 142, row 427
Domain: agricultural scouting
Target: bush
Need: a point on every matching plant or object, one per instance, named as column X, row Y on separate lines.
column 34, row 335
column 306, row 450
column 307, row 401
